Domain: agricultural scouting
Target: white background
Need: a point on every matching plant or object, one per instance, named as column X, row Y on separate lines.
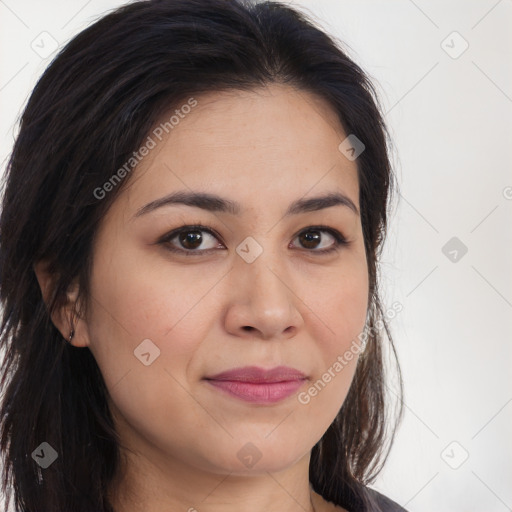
column 451, row 121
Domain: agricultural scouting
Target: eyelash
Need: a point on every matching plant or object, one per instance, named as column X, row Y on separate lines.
column 340, row 240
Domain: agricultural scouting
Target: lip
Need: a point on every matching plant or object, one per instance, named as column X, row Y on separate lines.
column 266, row 393
column 257, row 385
column 257, row 375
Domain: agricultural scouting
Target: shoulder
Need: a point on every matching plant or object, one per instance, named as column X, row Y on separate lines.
column 384, row 503
column 322, row 505
column 379, row 503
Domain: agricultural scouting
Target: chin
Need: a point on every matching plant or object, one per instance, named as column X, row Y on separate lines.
column 256, row 457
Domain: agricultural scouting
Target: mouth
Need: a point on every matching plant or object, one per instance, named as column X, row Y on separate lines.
column 257, row 385
column 262, row 393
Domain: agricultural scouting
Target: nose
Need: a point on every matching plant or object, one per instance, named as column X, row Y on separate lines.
column 263, row 302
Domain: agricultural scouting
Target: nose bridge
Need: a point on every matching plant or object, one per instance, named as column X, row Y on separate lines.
column 261, row 267
column 263, row 286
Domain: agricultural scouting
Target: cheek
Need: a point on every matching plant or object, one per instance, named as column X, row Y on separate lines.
column 131, row 304
column 340, row 306
column 339, row 310
column 141, row 315
column 137, row 300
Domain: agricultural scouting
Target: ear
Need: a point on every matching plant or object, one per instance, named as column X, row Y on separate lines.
column 67, row 318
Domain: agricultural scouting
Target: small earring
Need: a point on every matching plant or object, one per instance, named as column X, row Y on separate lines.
column 71, row 334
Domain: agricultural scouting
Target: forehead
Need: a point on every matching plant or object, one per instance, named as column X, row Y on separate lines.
column 260, row 147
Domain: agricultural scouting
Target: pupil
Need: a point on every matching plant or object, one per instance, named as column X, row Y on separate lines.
column 191, row 236
column 310, row 238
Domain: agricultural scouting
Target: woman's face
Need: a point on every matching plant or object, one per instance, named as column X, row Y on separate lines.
column 255, row 291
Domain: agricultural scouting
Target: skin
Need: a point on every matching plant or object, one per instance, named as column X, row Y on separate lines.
column 264, row 149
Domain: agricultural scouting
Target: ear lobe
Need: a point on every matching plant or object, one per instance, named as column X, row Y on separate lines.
column 66, row 319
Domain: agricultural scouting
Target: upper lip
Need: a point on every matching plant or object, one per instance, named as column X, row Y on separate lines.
column 257, row 374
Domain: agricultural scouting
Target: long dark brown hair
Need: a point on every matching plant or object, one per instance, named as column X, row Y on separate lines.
column 91, row 109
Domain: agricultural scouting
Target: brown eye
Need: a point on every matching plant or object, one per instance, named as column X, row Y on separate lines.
column 188, row 240
column 312, row 238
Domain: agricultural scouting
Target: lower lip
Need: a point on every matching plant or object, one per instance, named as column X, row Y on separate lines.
column 264, row 393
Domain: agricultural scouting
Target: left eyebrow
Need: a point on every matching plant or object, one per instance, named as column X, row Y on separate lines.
column 214, row 203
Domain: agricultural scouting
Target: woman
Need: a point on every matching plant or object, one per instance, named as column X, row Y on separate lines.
column 192, row 217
